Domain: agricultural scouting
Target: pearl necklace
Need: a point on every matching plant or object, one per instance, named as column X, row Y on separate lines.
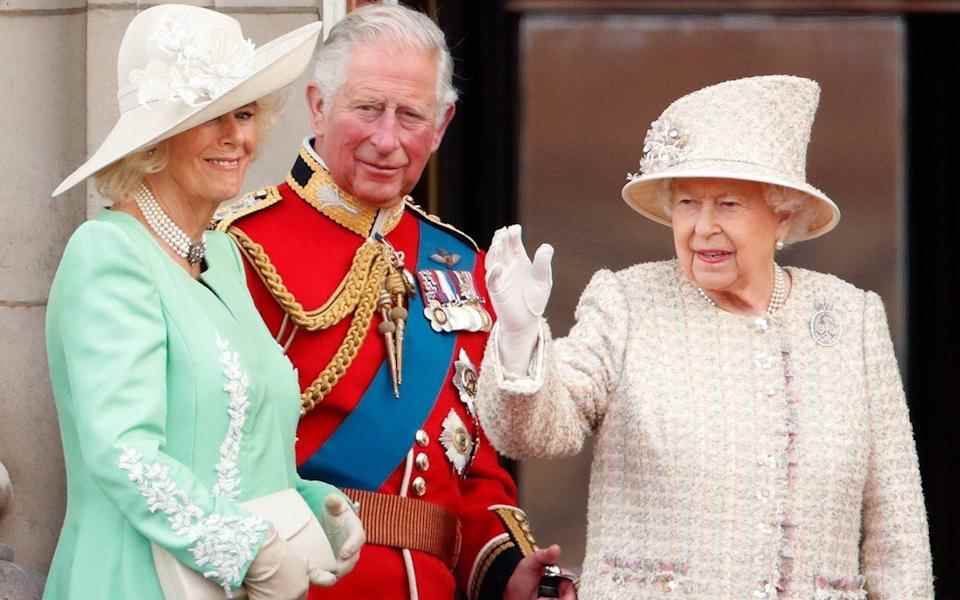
column 166, row 229
column 777, row 298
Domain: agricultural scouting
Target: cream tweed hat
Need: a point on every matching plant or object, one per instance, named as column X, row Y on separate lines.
column 755, row 129
column 180, row 66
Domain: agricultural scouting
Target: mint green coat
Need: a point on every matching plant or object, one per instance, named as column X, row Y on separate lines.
column 175, row 404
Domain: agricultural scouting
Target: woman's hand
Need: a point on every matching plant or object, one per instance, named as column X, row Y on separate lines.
column 519, row 290
column 345, row 533
column 276, row 573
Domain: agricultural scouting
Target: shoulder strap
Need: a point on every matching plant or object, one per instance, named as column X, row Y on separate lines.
column 435, row 221
column 250, row 203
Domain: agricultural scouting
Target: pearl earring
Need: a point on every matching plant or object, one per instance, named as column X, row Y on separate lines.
column 779, row 245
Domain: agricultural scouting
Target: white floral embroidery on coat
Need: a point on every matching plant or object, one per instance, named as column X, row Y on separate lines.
column 221, row 545
column 237, row 382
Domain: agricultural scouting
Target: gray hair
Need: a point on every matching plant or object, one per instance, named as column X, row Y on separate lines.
column 781, row 200
column 406, row 27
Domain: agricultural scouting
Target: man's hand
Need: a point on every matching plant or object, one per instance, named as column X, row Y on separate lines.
column 525, row 581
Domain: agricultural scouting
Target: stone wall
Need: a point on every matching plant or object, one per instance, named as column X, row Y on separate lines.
column 58, row 81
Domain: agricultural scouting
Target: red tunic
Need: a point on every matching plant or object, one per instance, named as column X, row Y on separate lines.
column 312, row 254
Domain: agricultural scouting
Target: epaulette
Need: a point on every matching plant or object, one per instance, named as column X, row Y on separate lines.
column 517, row 527
column 249, row 203
column 436, row 221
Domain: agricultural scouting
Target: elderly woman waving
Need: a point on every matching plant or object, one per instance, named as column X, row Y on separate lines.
column 177, row 409
column 752, row 437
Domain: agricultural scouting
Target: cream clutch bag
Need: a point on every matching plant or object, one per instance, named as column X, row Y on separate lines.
column 294, row 522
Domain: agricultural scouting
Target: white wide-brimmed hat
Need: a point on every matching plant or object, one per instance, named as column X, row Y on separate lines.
column 180, row 66
column 754, row 129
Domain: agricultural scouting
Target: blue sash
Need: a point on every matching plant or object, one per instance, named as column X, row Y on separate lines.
column 376, row 436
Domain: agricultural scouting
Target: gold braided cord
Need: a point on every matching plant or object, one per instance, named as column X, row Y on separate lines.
column 348, row 349
column 341, row 303
column 357, row 294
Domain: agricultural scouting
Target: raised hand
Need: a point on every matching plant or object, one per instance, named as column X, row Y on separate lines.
column 519, row 290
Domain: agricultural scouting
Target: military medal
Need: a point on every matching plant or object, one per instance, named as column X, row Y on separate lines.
column 451, row 302
column 432, row 309
column 438, row 317
column 460, row 318
column 465, row 380
column 458, row 445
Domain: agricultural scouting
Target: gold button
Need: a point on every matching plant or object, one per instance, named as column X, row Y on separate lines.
column 422, row 438
column 419, row 486
column 423, row 463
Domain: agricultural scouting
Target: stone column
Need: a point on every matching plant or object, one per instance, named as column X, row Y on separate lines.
column 42, row 114
column 6, row 490
column 58, row 75
column 16, row 583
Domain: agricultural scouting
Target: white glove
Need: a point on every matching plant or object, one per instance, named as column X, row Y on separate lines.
column 346, row 536
column 276, row 573
column 519, row 290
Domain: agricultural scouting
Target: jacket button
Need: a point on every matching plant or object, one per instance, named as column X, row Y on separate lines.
column 423, row 463
column 419, row 486
column 422, row 438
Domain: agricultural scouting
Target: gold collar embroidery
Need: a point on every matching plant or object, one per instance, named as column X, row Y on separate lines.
column 316, row 187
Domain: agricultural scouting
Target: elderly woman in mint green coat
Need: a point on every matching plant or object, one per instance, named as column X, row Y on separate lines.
column 175, row 403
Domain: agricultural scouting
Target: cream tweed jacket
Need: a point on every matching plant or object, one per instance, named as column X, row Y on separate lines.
column 732, row 461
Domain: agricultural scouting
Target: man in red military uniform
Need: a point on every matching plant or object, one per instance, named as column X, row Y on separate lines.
column 384, row 312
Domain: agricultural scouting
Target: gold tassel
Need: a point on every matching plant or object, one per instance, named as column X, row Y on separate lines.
column 396, row 288
column 388, row 328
